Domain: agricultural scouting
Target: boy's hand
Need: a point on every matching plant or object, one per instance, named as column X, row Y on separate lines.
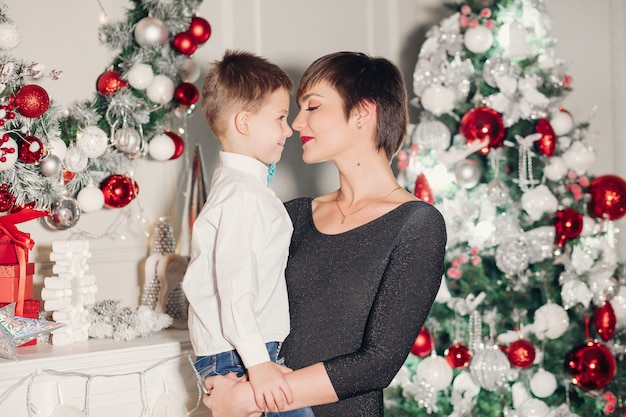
column 271, row 390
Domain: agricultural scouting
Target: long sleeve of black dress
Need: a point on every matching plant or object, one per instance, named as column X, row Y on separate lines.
column 358, row 299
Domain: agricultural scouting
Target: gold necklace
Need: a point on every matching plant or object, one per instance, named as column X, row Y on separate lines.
column 343, row 215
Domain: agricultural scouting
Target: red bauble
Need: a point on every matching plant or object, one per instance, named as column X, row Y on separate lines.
column 32, row 101
column 608, row 197
column 30, row 150
column 7, row 200
column 423, row 345
column 67, row 175
column 483, row 123
column 605, row 321
column 185, row 43
column 200, row 29
column 568, row 224
column 592, row 366
column 521, row 353
column 186, row 94
column 422, row 189
column 547, row 143
column 118, row 191
column 458, row 356
column 179, row 144
column 110, row 82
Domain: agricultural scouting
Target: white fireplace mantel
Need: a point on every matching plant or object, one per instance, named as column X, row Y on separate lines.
column 104, row 376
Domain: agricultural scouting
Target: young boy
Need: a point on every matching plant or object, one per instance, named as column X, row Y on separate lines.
column 235, row 283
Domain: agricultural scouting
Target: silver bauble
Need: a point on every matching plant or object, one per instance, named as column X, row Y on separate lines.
column 64, row 213
column 92, row 140
column 127, row 140
column 75, row 159
column 432, row 134
column 467, row 173
column 190, row 71
column 512, row 256
column 150, row 31
column 489, row 367
column 50, row 166
column 497, row 192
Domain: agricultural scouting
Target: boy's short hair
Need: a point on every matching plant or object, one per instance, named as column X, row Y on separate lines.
column 357, row 77
column 240, row 79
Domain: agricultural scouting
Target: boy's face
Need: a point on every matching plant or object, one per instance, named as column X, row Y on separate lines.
column 269, row 129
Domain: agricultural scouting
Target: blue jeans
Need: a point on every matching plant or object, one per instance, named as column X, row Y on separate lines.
column 227, row 362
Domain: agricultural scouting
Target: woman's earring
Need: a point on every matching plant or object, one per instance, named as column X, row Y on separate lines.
column 358, row 124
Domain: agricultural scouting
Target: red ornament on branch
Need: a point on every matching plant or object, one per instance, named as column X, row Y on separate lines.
column 521, row 353
column 423, row 345
column 179, row 143
column 458, row 356
column 568, row 224
column 483, row 123
column 110, row 82
column 118, row 191
column 200, row 29
column 30, row 150
column 547, row 143
column 185, row 43
column 422, row 189
column 605, row 321
column 186, row 94
column 592, row 365
column 608, row 197
column 32, row 101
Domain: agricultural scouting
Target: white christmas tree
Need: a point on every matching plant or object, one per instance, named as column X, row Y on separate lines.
column 531, row 314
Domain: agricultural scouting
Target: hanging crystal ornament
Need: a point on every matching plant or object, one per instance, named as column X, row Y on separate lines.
column 497, row 192
column 525, row 180
column 127, row 140
column 75, row 159
column 489, row 366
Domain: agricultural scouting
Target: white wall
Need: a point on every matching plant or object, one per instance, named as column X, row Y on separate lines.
column 291, row 33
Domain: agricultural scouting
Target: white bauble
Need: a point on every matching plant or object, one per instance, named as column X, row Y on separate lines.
column 538, row 201
column 478, row 39
column 140, row 76
column 579, row 157
column 561, row 122
column 90, row 199
column 556, row 169
column 161, row 147
column 9, row 36
column 438, row 99
column 543, row 383
column 436, row 371
column 161, row 89
column 57, row 147
column 533, row 408
column 93, row 141
column 551, row 321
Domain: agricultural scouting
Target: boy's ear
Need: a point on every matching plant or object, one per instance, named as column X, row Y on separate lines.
column 241, row 122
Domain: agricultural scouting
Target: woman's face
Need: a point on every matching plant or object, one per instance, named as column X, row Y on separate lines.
column 322, row 124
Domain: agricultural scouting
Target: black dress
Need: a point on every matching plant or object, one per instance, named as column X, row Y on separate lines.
column 358, row 299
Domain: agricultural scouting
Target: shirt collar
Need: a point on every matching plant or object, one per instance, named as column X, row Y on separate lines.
column 245, row 164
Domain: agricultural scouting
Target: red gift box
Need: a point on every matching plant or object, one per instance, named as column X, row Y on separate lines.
column 31, row 311
column 8, row 254
column 10, row 279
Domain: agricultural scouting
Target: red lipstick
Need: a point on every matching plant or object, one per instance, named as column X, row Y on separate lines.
column 305, row 139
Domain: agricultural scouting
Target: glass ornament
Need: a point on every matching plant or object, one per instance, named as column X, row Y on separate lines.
column 512, row 256
column 161, row 89
column 140, row 76
column 591, row 365
column 467, row 173
column 64, row 213
column 521, row 353
column 432, row 134
column 482, row 123
column 568, row 224
column 547, row 142
column 50, row 166
column 478, row 39
column 543, row 383
column 179, row 143
column 458, row 355
column 489, row 367
column 110, row 82
column 200, row 29
column 605, row 321
column 185, row 43
column 118, row 190
column 423, row 344
column 161, row 147
column 608, row 197
column 127, row 140
column 32, row 101
column 57, row 147
column 186, row 94
column 75, row 159
column 90, row 199
column 437, row 99
column 436, row 371
column 10, row 36
column 30, row 150
column 190, row 71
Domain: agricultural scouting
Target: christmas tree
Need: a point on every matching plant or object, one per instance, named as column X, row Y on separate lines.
column 530, row 319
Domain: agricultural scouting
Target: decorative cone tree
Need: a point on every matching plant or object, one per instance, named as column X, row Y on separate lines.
column 531, row 316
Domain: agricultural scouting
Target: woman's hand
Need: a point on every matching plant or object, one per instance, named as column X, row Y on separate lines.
column 230, row 396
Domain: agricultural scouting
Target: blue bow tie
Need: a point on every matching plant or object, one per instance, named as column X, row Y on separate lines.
column 271, row 170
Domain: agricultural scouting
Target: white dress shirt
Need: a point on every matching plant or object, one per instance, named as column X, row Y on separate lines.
column 235, row 281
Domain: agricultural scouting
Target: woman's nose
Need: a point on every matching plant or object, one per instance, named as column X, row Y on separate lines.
column 298, row 123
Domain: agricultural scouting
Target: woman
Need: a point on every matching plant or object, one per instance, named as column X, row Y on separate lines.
column 365, row 260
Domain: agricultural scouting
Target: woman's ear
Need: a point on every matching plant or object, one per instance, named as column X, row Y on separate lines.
column 364, row 112
column 241, row 122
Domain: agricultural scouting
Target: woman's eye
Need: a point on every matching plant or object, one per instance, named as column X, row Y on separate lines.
column 312, row 108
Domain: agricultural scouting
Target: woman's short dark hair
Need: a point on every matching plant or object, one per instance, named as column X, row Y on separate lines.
column 358, row 77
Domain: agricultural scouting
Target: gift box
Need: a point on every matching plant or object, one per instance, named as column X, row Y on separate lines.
column 10, row 280
column 31, row 311
column 8, row 254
